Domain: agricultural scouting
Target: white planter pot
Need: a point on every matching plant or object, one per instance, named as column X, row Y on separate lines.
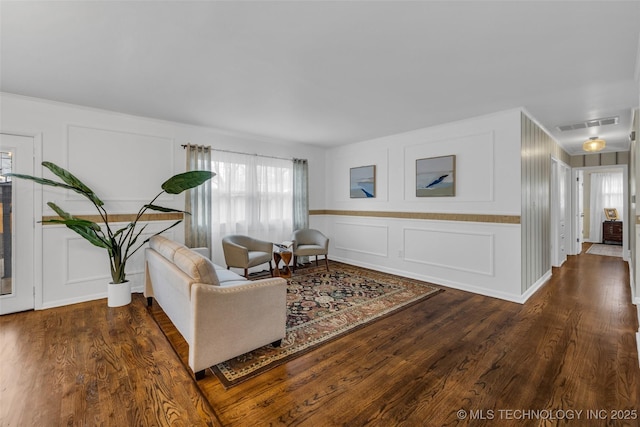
column 118, row 294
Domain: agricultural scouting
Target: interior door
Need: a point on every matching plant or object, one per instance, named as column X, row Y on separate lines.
column 17, row 225
column 560, row 217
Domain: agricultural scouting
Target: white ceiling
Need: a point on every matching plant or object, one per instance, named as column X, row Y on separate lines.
column 331, row 72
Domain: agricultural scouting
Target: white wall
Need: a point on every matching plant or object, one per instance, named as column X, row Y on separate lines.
column 124, row 159
column 475, row 256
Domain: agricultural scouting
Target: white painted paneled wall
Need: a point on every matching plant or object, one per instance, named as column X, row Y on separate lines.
column 124, row 159
column 480, row 257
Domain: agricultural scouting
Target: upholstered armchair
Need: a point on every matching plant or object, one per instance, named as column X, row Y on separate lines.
column 309, row 242
column 246, row 252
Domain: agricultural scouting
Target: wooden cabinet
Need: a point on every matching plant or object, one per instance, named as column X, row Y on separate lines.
column 612, row 232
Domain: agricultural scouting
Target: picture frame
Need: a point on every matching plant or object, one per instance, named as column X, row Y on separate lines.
column 611, row 214
column 362, row 182
column 436, row 176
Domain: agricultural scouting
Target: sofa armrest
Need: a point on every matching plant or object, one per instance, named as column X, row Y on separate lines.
column 227, row 321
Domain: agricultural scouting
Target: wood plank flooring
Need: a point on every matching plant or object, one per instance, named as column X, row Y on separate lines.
column 89, row 365
column 570, row 348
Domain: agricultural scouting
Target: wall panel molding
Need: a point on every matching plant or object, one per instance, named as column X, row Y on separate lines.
column 120, row 159
column 368, row 235
column 95, row 262
column 471, row 252
column 474, row 183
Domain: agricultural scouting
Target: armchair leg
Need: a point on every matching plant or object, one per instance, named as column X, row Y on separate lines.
column 316, row 260
column 326, row 262
column 246, row 273
column 271, row 269
column 295, row 262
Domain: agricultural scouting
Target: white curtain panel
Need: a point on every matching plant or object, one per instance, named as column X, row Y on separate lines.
column 606, row 192
column 197, row 226
column 252, row 196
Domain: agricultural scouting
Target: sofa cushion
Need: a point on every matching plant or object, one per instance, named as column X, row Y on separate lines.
column 165, row 247
column 195, row 266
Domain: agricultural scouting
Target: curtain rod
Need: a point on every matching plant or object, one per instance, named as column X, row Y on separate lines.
column 246, row 154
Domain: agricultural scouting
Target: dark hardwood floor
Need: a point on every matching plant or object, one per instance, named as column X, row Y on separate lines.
column 570, row 348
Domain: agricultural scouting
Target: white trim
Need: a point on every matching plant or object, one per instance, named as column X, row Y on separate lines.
column 491, row 236
column 37, row 213
column 638, row 342
column 535, row 287
column 354, row 224
column 37, row 243
column 630, row 225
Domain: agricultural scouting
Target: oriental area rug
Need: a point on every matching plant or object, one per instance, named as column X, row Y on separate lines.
column 324, row 305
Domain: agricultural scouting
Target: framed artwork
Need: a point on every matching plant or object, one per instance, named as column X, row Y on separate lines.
column 611, row 214
column 362, row 181
column 436, row 176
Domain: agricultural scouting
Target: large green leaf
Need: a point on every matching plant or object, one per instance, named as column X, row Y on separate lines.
column 61, row 212
column 74, row 182
column 76, row 222
column 67, row 216
column 42, row 181
column 87, row 229
column 89, row 234
column 67, row 177
column 184, row 181
column 163, row 209
column 84, row 228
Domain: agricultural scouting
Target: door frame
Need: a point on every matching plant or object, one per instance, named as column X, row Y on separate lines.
column 627, row 228
column 37, row 214
column 559, row 167
column 577, row 238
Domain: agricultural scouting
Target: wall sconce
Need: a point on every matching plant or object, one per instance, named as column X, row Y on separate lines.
column 594, row 144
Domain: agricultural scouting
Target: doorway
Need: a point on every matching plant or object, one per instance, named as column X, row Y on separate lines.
column 18, row 219
column 603, row 188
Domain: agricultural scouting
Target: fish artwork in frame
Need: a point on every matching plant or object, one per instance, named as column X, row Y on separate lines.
column 436, row 176
column 362, row 182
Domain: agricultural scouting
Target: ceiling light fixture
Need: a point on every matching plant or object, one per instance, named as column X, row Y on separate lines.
column 594, row 144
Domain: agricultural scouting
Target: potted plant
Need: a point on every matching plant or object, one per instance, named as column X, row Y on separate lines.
column 122, row 243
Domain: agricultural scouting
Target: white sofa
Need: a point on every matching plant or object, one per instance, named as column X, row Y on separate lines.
column 219, row 313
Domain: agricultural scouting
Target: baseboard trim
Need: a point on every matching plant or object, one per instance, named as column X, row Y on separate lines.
column 84, row 298
column 638, row 343
column 536, row 286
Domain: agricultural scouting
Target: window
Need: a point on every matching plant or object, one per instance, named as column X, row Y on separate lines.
column 253, row 196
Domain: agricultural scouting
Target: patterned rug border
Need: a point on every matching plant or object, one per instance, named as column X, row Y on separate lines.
column 334, row 265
